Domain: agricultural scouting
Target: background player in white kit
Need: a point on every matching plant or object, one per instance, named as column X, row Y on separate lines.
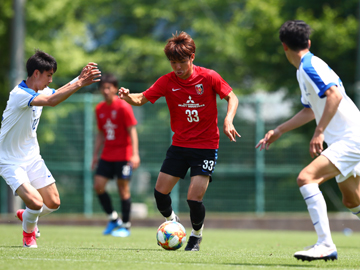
column 324, row 99
column 21, row 164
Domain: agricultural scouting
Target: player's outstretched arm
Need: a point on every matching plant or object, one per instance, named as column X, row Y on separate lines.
column 229, row 128
column 89, row 75
column 132, row 99
column 301, row 118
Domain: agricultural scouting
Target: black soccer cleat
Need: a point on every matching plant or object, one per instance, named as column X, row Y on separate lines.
column 193, row 244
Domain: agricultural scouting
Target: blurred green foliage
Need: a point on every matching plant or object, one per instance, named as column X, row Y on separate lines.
column 239, row 39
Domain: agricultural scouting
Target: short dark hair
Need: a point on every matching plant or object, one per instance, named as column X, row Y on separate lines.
column 40, row 61
column 295, row 34
column 180, row 46
column 108, row 78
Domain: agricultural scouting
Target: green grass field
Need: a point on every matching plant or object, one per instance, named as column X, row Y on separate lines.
column 73, row 248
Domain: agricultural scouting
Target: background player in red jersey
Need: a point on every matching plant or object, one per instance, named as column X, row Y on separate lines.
column 120, row 154
column 190, row 93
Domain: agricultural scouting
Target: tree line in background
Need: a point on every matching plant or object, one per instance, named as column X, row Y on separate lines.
column 239, row 39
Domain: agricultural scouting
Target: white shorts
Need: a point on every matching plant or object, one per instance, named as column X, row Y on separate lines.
column 36, row 173
column 345, row 156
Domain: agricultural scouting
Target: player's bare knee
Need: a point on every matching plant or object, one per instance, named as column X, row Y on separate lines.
column 99, row 189
column 302, row 179
column 195, row 197
column 55, row 204
column 350, row 203
column 125, row 195
column 35, row 203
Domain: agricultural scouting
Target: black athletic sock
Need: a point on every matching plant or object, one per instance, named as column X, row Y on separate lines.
column 163, row 203
column 197, row 214
column 125, row 209
column 105, row 202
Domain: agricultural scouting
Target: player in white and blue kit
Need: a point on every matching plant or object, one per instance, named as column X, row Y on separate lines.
column 21, row 164
column 324, row 99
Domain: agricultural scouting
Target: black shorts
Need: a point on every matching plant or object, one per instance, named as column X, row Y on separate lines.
column 179, row 159
column 112, row 169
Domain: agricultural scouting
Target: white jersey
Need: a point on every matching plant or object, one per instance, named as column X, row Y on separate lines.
column 18, row 140
column 315, row 77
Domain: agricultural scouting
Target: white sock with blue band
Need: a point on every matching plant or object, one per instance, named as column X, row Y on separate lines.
column 355, row 211
column 318, row 212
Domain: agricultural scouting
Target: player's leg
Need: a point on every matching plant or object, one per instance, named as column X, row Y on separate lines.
column 202, row 166
column 124, row 172
column 30, row 216
column 317, row 172
column 42, row 180
column 33, row 202
column 104, row 172
column 174, row 167
column 196, row 192
column 105, row 202
column 350, row 189
column 125, row 198
column 18, row 178
column 51, row 198
column 164, row 184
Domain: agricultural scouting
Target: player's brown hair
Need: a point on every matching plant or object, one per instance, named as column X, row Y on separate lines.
column 180, row 46
column 108, row 78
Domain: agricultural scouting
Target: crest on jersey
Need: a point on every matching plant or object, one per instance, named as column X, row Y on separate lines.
column 199, row 89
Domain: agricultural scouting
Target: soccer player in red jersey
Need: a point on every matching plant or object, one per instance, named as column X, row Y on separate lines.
column 190, row 93
column 117, row 137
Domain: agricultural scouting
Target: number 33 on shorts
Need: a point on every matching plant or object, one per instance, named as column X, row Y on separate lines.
column 208, row 165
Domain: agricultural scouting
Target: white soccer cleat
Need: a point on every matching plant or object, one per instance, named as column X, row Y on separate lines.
column 317, row 252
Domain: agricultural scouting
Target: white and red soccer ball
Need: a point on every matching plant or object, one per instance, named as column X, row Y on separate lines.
column 171, row 235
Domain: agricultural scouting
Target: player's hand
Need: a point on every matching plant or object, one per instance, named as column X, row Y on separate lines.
column 316, row 144
column 123, row 92
column 94, row 163
column 89, row 74
column 270, row 137
column 230, row 131
column 135, row 161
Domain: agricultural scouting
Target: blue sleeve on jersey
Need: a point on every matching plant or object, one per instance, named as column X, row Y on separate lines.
column 322, row 93
column 32, row 98
column 29, row 91
column 314, row 76
column 305, row 105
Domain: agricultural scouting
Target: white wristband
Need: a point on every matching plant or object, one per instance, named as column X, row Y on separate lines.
column 74, row 80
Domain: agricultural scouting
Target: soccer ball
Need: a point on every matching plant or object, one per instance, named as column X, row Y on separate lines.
column 171, row 235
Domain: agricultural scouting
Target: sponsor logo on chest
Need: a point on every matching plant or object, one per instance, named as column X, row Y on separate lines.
column 190, row 103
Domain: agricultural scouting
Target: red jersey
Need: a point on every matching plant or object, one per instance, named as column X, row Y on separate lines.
column 192, row 106
column 114, row 120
